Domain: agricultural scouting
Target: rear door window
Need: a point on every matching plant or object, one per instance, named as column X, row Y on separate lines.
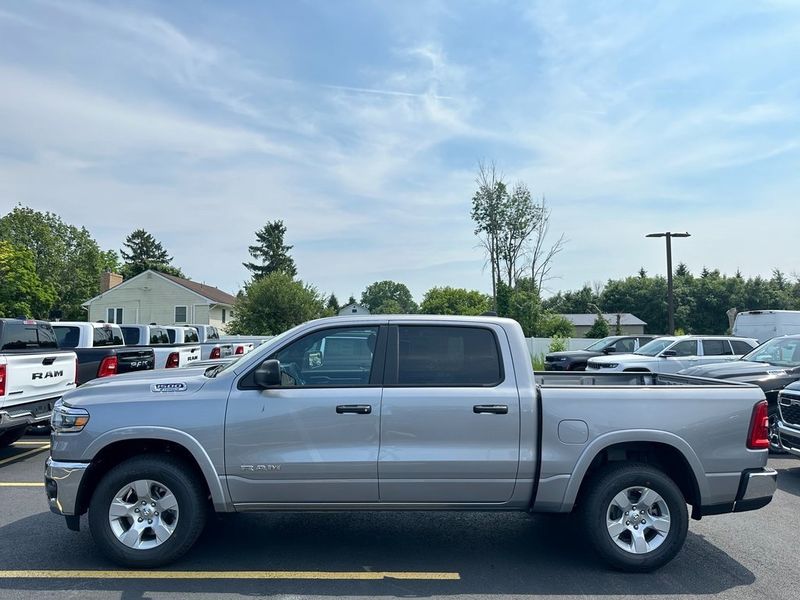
column 717, row 348
column 625, row 345
column 190, row 336
column 448, row 356
column 159, row 336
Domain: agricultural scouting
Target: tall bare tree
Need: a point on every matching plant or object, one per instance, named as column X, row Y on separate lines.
column 487, row 209
column 540, row 254
column 519, row 218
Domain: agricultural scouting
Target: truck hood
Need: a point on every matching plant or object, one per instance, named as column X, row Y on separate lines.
column 744, row 370
column 626, row 358
column 144, row 385
column 574, row 354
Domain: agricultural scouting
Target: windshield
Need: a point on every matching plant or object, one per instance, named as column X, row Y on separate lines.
column 782, row 352
column 655, row 347
column 600, row 344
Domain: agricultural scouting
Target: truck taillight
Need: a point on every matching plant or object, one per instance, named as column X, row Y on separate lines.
column 215, row 352
column 108, row 366
column 758, row 436
column 239, row 350
column 173, row 360
column 2, row 380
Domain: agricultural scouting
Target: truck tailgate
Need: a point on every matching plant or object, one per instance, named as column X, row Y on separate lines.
column 135, row 359
column 188, row 355
column 38, row 376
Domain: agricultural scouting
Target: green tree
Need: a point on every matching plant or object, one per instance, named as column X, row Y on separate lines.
column 454, row 301
column 352, row 300
column 333, row 303
column 66, row 259
column 22, row 293
column 145, row 252
column 274, row 303
column 388, row 297
column 271, row 252
column 553, row 325
column 599, row 329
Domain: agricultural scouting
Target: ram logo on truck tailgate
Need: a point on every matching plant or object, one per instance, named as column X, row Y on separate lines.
column 47, row 375
column 168, row 387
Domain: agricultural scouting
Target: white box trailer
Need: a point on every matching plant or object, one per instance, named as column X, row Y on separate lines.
column 766, row 324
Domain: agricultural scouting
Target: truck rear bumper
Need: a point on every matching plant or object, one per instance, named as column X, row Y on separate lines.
column 62, row 481
column 756, row 488
column 29, row 413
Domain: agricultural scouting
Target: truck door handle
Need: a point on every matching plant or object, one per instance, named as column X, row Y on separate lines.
column 356, row 409
column 492, row 409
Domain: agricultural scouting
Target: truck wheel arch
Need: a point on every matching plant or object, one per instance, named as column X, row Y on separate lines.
column 162, row 439
column 686, row 466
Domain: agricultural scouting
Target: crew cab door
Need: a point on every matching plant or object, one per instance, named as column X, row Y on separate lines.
column 450, row 417
column 315, row 437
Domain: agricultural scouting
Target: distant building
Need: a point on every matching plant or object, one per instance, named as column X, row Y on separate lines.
column 629, row 324
column 353, row 309
column 153, row 297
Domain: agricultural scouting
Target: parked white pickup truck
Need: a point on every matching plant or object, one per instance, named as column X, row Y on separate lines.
column 34, row 373
column 212, row 347
column 168, row 355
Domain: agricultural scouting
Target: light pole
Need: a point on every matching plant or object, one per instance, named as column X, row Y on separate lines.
column 670, row 297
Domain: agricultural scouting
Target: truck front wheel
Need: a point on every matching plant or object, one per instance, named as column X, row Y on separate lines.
column 635, row 516
column 147, row 511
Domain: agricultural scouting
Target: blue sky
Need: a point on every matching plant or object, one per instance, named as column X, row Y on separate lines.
column 360, row 124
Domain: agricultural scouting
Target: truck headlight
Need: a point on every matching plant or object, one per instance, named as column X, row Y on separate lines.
column 67, row 419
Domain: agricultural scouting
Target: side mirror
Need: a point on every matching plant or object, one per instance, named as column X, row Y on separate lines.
column 609, row 350
column 268, row 374
column 668, row 353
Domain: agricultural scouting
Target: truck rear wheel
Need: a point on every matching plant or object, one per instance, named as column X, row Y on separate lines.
column 635, row 516
column 9, row 436
column 147, row 511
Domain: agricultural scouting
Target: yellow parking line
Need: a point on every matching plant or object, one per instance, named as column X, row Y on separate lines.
column 24, row 454
column 21, row 484
column 354, row 575
column 31, row 443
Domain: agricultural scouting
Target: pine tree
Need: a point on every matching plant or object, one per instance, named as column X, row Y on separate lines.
column 145, row 252
column 333, row 303
column 271, row 252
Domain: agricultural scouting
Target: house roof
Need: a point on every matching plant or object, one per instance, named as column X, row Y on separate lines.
column 588, row 319
column 207, row 291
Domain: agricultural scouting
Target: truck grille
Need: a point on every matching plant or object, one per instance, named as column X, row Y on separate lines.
column 790, row 413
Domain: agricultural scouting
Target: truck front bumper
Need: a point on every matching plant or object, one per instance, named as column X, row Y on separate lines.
column 789, row 438
column 62, row 481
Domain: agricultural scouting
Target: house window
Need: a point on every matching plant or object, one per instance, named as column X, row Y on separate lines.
column 223, row 315
column 114, row 315
column 180, row 314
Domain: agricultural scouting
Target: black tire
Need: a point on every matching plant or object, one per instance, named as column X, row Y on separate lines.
column 604, row 486
column 176, row 475
column 9, row 436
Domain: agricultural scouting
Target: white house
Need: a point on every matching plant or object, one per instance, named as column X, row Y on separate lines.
column 153, row 297
column 354, row 309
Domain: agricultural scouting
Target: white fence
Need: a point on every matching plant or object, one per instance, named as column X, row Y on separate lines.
column 537, row 346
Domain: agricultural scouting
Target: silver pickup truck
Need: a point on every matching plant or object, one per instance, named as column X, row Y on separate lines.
column 405, row 413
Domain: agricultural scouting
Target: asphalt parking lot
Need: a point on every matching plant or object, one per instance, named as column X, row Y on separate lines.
column 752, row 555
